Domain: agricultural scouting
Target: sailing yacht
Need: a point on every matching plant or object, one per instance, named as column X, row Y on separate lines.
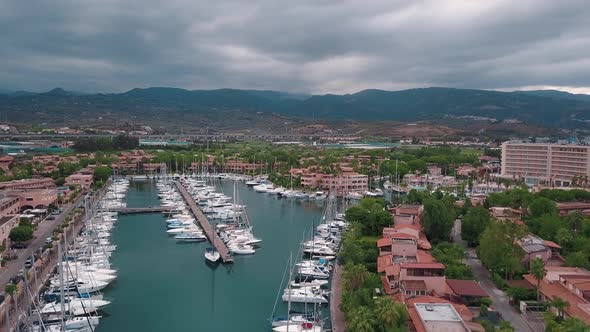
column 212, row 256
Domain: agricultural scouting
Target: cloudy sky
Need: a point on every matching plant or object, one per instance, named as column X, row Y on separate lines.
column 314, row 46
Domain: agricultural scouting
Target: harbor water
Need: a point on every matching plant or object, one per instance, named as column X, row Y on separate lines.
column 166, row 286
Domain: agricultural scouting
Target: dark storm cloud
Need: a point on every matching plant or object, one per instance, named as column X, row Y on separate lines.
column 312, row 46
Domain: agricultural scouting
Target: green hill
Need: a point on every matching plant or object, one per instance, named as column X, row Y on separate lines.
column 547, row 108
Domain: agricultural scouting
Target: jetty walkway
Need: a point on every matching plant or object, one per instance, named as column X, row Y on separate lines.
column 205, row 225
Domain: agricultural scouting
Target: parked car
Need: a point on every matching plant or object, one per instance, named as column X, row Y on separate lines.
column 29, row 262
column 48, row 240
column 19, row 245
column 51, row 217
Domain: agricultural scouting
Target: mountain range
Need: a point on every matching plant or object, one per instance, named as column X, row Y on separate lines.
column 547, row 108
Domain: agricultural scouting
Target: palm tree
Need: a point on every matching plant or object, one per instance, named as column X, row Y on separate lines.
column 361, row 320
column 560, row 305
column 538, row 271
column 390, row 314
column 355, row 275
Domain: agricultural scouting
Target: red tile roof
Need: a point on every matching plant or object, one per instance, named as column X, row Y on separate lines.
column 416, row 321
column 551, row 244
column 578, row 307
column 466, row 288
column 423, row 256
column 422, row 266
column 383, row 262
column 384, row 242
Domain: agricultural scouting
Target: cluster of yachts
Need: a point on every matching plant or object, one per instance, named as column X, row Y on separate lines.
column 180, row 223
column 309, row 276
column 264, row 186
column 73, row 300
column 229, row 217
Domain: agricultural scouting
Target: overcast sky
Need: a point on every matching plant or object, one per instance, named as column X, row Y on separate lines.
column 315, row 46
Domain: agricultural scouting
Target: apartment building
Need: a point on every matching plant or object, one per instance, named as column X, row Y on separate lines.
column 40, row 183
column 568, row 283
column 553, row 163
column 339, row 185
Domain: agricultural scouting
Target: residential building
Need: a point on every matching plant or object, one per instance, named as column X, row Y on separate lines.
column 34, row 198
column 9, row 206
column 571, row 284
column 82, row 180
column 465, row 291
column 534, row 247
column 38, row 183
column 436, row 317
column 154, row 168
column 404, row 258
column 566, row 208
column 550, row 163
column 338, row 184
column 7, row 223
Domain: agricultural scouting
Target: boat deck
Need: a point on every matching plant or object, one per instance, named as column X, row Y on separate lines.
column 205, row 225
column 139, row 210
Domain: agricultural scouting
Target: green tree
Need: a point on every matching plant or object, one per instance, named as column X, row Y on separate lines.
column 437, row 220
column 390, row 315
column 577, row 259
column 574, row 324
column 21, row 234
column 518, row 294
column 354, row 276
column 474, row 223
column 102, row 173
column 361, row 320
column 538, row 271
column 541, row 206
column 370, row 215
column 560, row 305
column 498, row 247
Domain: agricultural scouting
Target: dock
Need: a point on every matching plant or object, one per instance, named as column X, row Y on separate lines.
column 140, row 210
column 205, row 225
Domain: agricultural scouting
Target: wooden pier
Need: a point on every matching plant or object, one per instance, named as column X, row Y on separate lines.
column 140, row 210
column 205, row 225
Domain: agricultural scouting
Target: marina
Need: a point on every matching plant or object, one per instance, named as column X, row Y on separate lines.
column 190, row 293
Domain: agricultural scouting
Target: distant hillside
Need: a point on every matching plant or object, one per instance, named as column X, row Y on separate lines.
column 546, row 108
column 557, row 94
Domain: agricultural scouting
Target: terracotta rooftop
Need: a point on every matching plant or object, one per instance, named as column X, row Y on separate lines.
column 466, row 288
column 423, row 256
column 422, row 266
column 578, row 307
column 551, row 244
column 392, row 270
column 384, row 242
column 414, row 284
column 383, row 262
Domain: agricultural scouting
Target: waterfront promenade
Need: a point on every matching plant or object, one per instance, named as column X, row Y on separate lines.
column 38, row 275
column 205, row 225
column 338, row 323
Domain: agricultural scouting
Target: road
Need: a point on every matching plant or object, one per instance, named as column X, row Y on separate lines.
column 43, row 231
column 500, row 302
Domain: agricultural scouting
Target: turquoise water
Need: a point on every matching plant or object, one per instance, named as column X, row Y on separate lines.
column 165, row 286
